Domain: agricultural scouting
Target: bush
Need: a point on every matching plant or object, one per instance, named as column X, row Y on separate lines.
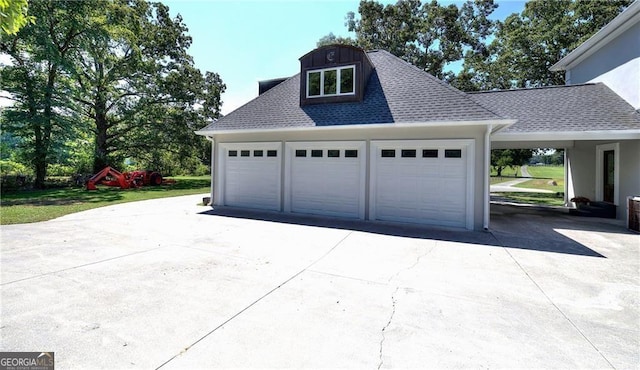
column 11, row 168
column 56, row 169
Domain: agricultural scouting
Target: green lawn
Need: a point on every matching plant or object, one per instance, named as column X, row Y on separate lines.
column 546, row 172
column 41, row 205
column 534, row 198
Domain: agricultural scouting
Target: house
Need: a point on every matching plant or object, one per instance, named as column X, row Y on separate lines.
column 362, row 135
column 368, row 136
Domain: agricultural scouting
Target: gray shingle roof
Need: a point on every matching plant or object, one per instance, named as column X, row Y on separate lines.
column 573, row 108
column 397, row 92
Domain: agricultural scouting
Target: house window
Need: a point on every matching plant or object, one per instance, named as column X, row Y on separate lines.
column 245, row 153
column 388, row 153
column 272, row 153
column 233, row 153
column 429, row 153
column 333, row 153
column 301, row 153
column 408, row 153
column 453, row 153
column 331, row 82
column 258, row 153
column 316, row 153
column 351, row 153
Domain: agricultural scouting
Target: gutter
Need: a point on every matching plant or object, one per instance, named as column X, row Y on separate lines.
column 487, row 186
column 213, row 151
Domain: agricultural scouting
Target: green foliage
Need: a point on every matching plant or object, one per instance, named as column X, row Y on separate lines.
column 502, row 158
column 13, row 16
column 95, row 82
column 427, row 35
column 8, row 168
column 527, row 44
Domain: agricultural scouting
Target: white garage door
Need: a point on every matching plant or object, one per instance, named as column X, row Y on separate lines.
column 326, row 178
column 251, row 175
column 422, row 182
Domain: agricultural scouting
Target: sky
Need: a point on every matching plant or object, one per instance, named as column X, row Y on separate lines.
column 249, row 41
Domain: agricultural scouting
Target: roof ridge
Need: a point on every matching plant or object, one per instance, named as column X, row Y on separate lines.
column 441, row 82
column 535, row 88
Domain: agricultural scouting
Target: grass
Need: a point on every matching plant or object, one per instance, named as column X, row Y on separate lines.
column 542, row 176
column 41, row 205
column 548, row 199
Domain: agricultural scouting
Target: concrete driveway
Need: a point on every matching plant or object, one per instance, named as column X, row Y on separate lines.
column 167, row 283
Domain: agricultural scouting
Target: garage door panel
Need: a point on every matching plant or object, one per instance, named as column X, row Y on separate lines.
column 428, row 188
column 327, row 185
column 252, row 178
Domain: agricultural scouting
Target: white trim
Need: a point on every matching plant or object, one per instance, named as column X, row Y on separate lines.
column 289, row 156
column 600, row 149
column 568, row 135
column 223, row 147
column 468, row 145
column 497, row 124
column 338, row 76
column 486, row 216
column 613, row 29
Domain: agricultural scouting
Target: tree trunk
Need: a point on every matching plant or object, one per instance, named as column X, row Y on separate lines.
column 43, row 130
column 101, row 154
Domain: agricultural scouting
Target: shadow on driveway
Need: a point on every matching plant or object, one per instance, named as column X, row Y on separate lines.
column 511, row 226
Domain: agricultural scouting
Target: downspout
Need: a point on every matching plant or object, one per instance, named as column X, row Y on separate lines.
column 487, row 167
column 213, row 151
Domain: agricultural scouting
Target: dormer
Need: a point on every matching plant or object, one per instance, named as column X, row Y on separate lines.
column 334, row 74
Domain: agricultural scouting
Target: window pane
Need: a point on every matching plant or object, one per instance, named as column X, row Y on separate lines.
column 272, row 153
column 453, row 153
column 313, row 85
column 346, row 81
column 301, row 153
column 430, row 153
column 333, row 153
column 258, row 153
column 388, row 153
column 408, row 153
column 233, row 153
column 245, row 153
column 330, row 82
column 353, row 153
column 316, row 153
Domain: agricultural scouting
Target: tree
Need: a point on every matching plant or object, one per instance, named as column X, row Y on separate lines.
column 13, row 16
column 427, row 35
column 527, row 44
column 331, row 39
column 35, row 79
column 137, row 83
column 503, row 158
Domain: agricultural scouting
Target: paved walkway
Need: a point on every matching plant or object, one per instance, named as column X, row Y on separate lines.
column 510, row 186
column 166, row 283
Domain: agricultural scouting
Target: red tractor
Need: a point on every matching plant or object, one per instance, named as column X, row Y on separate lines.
column 125, row 180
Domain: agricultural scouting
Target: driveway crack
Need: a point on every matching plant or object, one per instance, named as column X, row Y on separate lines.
column 393, row 312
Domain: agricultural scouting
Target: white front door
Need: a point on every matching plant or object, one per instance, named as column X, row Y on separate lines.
column 326, row 178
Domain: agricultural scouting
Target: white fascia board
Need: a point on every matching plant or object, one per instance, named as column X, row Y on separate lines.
column 497, row 124
column 568, row 135
column 611, row 30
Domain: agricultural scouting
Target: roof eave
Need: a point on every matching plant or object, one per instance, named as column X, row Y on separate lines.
column 496, row 124
column 568, row 135
column 619, row 24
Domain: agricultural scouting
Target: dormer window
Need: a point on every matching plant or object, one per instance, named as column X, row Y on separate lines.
column 334, row 74
column 331, row 82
